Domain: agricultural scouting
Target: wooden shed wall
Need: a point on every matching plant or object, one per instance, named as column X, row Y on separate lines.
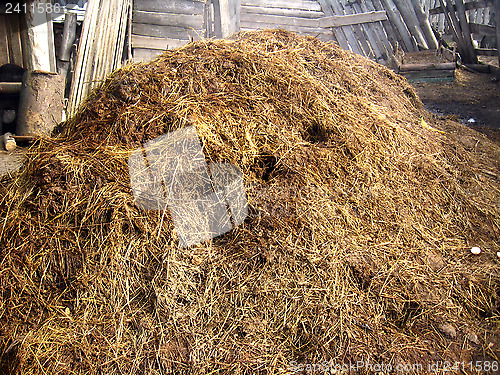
column 158, row 25
column 300, row 16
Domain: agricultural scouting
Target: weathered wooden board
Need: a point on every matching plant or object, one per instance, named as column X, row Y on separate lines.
column 299, row 30
column 290, row 4
column 141, row 54
column 352, row 19
column 468, row 6
column 428, row 66
column 256, row 10
column 485, row 30
column 430, row 75
column 161, row 31
column 486, row 51
column 4, row 40
column 281, row 20
column 170, row 6
column 149, row 42
column 168, row 19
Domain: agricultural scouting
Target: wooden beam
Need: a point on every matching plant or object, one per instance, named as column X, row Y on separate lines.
column 485, row 30
column 172, row 32
column 247, row 9
column 168, row 19
column 486, row 52
column 10, row 87
column 468, row 6
column 171, row 6
column 429, row 66
column 281, row 20
column 286, row 4
column 352, row 19
column 149, row 42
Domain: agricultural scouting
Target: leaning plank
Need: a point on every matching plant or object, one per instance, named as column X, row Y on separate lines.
column 15, row 43
column 399, row 24
column 171, row 6
column 411, row 21
column 4, row 40
column 168, row 19
column 479, row 4
column 290, row 4
column 352, row 19
column 172, row 32
column 425, row 25
column 392, row 35
column 282, row 20
column 367, row 6
column 149, row 42
column 464, row 24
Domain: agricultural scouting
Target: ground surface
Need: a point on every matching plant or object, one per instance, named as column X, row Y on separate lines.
column 10, row 162
column 474, row 99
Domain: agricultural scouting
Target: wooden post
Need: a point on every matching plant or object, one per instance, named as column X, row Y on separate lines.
column 40, row 103
column 68, row 37
column 464, row 23
column 497, row 17
column 40, row 37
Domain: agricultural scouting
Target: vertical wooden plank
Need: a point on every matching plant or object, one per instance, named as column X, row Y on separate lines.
column 336, row 31
column 398, row 22
column 393, row 37
column 374, row 40
column 411, row 21
column 351, row 38
column 14, row 27
column 380, row 34
column 4, row 40
column 497, row 18
column 217, row 19
column 358, row 30
column 40, row 37
column 425, row 25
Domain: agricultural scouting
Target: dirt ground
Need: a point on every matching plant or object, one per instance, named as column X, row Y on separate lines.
column 11, row 162
column 473, row 98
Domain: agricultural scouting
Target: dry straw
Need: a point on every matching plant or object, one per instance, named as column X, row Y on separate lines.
column 363, row 210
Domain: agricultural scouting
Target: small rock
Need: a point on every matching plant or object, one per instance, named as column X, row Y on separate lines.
column 472, row 337
column 475, row 250
column 448, row 330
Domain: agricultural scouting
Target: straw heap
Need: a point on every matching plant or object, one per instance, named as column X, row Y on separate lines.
column 363, row 210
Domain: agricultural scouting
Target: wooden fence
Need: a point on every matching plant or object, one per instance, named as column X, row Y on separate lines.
column 372, row 28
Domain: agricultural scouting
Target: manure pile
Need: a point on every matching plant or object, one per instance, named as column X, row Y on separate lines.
column 363, row 208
